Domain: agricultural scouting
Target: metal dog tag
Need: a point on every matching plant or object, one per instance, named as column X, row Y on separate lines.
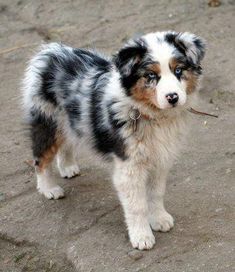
column 134, row 116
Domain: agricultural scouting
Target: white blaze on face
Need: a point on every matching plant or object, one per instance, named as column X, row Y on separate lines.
column 162, row 52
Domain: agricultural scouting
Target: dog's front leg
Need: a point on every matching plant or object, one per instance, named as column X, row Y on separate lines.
column 130, row 181
column 159, row 218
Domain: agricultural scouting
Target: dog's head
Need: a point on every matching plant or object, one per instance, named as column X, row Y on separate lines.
column 161, row 69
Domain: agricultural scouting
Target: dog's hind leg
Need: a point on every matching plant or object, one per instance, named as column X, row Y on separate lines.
column 46, row 140
column 46, row 183
column 67, row 161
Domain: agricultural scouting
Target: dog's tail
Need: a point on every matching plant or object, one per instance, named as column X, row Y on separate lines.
column 39, row 81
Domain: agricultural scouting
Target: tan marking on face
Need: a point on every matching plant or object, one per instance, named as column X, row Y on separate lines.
column 173, row 64
column 49, row 154
column 144, row 93
column 191, row 81
column 188, row 76
column 155, row 67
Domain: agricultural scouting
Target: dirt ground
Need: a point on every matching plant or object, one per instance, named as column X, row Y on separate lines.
column 85, row 231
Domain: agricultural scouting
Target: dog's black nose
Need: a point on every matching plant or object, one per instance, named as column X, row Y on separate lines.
column 172, row 98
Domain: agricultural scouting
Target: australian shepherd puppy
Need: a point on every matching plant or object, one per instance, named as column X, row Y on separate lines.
column 131, row 109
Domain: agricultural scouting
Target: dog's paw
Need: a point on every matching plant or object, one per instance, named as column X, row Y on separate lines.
column 161, row 221
column 69, row 171
column 55, row 192
column 142, row 239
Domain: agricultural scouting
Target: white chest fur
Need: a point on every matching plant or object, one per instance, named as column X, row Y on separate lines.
column 156, row 143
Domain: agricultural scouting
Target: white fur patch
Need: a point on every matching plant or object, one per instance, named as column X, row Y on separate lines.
column 48, row 187
column 69, row 171
column 161, row 221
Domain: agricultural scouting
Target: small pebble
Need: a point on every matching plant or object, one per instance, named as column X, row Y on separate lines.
column 135, row 254
column 214, row 3
column 51, row 264
column 187, row 179
column 2, row 196
column 6, row 261
column 104, row 20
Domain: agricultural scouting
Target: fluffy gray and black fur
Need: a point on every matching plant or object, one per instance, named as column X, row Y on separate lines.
column 130, row 108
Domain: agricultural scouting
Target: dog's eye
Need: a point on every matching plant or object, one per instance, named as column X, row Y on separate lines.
column 151, row 76
column 178, row 72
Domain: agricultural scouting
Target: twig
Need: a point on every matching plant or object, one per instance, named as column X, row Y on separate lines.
column 8, row 50
column 30, row 163
column 202, row 113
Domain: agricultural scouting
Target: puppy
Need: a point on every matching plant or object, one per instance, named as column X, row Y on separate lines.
column 130, row 108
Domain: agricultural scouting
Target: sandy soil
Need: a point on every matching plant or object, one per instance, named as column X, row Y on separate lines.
column 85, row 231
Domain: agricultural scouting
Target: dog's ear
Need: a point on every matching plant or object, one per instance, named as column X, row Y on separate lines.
column 192, row 46
column 129, row 56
